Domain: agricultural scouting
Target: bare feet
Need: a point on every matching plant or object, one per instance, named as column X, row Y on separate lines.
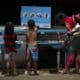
column 65, row 71
column 28, row 72
column 7, row 74
column 36, row 72
column 15, row 73
column 78, row 72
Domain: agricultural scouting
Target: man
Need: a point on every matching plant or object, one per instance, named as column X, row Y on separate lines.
column 32, row 50
column 74, row 49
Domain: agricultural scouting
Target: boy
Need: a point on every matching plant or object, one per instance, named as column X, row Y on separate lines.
column 32, row 49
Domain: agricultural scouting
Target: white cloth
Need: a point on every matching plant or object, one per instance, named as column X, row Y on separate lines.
column 7, row 55
column 76, row 30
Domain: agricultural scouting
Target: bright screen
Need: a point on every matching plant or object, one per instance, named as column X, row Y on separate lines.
column 41, row 15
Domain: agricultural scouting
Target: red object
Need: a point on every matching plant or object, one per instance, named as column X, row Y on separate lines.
column 70, row 60
column 71, row 22
column 10, row 43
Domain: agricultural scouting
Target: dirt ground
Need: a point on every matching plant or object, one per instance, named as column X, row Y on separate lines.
column 43, row 75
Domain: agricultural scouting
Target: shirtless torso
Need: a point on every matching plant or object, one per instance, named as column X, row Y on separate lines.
column 32, row 36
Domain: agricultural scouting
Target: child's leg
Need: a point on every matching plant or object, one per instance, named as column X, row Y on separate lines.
column 35, row 67
column 7, row 59
column 70, row 59
column 28, row 58
column 68, row 63
column 34, row 55
column 78, row 61
column 13, row 64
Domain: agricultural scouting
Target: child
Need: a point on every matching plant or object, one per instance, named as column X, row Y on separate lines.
column 10, row 49
column 70, row 22
column 32, row 50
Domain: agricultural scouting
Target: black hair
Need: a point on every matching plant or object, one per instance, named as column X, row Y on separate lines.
column 77, row 18
column 31, row 23
column 60, row 16
column 9, row 28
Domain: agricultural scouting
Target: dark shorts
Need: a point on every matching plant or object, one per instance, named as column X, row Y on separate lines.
column 75, row 45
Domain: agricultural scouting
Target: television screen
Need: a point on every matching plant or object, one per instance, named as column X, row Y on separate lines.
column 41, row 15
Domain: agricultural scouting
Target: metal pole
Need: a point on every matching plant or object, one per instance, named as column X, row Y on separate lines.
column 58, row 59
column 58, row 53
column 2, row 53
column 3, row 61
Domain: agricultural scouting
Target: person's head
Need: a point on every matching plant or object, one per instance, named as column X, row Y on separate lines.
column 60, row 17
column 31, row 24
column 9, row 28
column 76, row 18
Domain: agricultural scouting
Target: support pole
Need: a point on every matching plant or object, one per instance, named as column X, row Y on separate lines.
column 3, row 61
column 58, row 59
